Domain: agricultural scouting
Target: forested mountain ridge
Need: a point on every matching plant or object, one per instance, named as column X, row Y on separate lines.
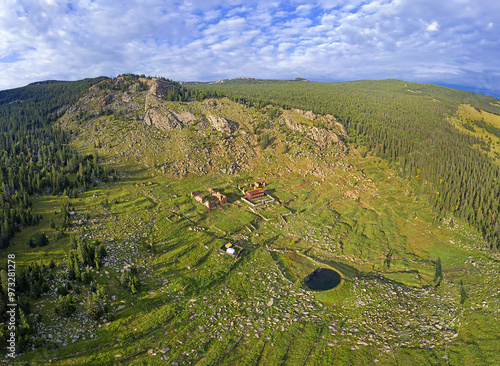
column 34, row 156
column 407, row 123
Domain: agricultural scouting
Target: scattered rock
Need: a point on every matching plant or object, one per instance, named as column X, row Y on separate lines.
column 334, row 133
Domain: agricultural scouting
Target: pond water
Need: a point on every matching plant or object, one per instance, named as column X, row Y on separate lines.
column 322, row 279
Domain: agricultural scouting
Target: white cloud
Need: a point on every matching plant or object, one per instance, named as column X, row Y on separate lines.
column 303, row 10
column 433, row 27
column 212, row 39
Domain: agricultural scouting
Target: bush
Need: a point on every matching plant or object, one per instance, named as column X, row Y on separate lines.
column 34, row 290
column 64, row 306
column 38, row 240
column 24, row 305
column 93, row 308
column 86, row 276
column 131, row 281
column 62, row 290
column 51, row 345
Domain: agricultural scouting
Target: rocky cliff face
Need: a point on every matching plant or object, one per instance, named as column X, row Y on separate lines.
column 160, row 88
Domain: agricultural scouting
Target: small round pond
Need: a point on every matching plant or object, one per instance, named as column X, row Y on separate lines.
column 322, row 279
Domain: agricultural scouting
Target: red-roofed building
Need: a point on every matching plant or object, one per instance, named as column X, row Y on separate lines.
column 255, row 194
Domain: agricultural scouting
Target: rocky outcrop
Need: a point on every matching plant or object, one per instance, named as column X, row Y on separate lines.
column 222, row 125
column 105, row 101
column 185, row 118
column 215, row 104
column 322, row 136
column 162, row 119
column 158, row 114
column 158, row 87
column 327, row 120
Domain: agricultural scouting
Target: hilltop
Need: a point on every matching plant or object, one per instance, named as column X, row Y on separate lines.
column 136, row 265
column 215, row 135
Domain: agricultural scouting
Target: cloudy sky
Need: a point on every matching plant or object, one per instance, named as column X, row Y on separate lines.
column 448, row 42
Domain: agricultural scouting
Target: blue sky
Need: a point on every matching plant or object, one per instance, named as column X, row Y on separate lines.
column 448, row 42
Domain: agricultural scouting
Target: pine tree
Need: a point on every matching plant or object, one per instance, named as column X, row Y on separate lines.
column 438, row 276
column 93, row 307
column 463, row 294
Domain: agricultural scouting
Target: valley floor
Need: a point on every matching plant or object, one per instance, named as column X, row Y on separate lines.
column 197, row 305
